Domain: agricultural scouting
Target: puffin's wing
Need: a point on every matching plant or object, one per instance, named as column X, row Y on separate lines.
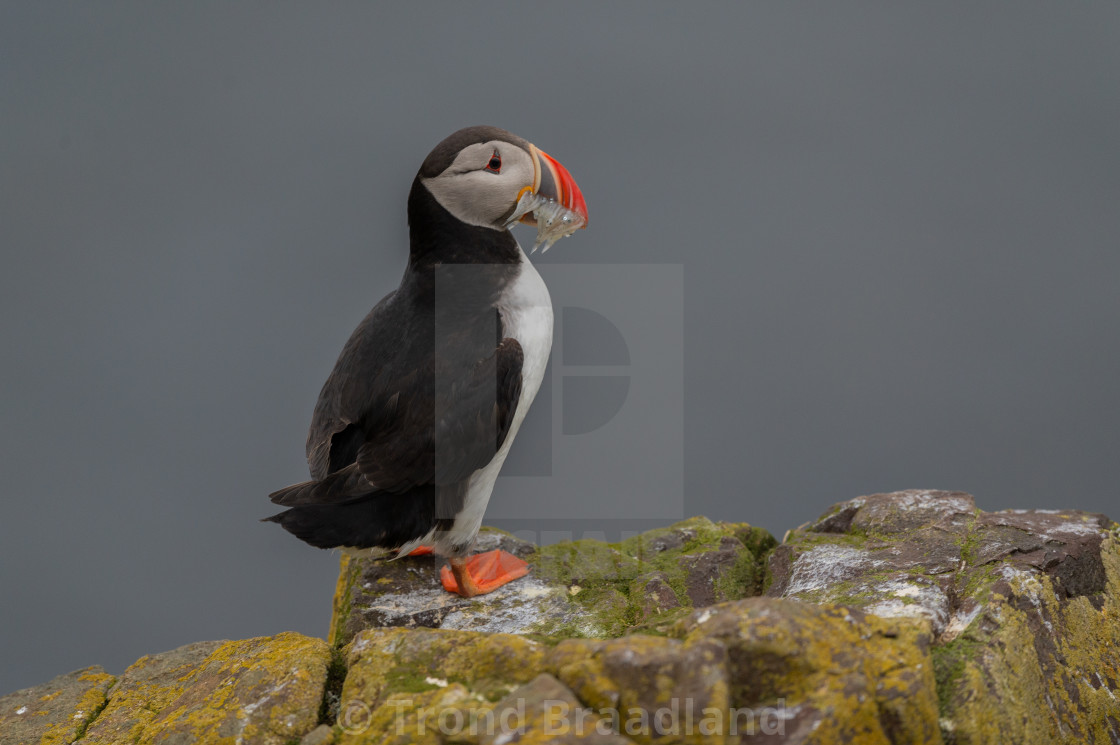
column 336, row 430
column 471, row 420
column 422, row 445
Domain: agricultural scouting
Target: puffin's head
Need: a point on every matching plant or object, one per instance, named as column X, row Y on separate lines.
column 490, row 178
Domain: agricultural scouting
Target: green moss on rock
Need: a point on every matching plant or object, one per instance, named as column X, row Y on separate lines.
column 581, row 588
column 694, row 562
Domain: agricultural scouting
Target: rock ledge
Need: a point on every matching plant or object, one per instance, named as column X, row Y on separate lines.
column 910, row 617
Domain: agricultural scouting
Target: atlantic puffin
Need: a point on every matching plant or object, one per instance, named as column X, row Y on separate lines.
column 415, row 421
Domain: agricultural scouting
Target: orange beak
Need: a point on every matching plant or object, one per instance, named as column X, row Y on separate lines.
column 553, row 181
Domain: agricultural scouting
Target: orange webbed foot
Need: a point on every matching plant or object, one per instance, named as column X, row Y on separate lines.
column 420, row 551
column 482, row 573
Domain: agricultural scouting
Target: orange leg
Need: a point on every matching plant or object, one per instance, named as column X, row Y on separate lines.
column 420, row 551
column 482, row 573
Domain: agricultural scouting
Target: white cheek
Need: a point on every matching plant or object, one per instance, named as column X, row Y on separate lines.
column 477, row 198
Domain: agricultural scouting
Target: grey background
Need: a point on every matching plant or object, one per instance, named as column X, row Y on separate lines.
column 898, row 230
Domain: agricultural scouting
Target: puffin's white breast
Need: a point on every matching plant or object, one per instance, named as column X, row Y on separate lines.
column 526, row 310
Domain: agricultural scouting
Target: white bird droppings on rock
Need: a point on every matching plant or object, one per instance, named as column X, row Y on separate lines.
column 821, row 567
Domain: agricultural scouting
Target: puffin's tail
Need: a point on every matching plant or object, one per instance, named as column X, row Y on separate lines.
column 377, row 520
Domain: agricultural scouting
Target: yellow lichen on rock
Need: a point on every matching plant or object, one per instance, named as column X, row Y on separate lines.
column 1023, row 605
column 828, row 674
column 1043, row 669
column 348, row 573
column 753, row 667
column 381, row 662
column 56, row 712
column 263, row 690
column 652, row 687
column 411, row 685
column 418, row 718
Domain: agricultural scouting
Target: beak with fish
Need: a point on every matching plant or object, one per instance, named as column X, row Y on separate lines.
column 553, row 202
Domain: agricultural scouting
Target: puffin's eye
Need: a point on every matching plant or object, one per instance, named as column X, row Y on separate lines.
column 495, row 163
